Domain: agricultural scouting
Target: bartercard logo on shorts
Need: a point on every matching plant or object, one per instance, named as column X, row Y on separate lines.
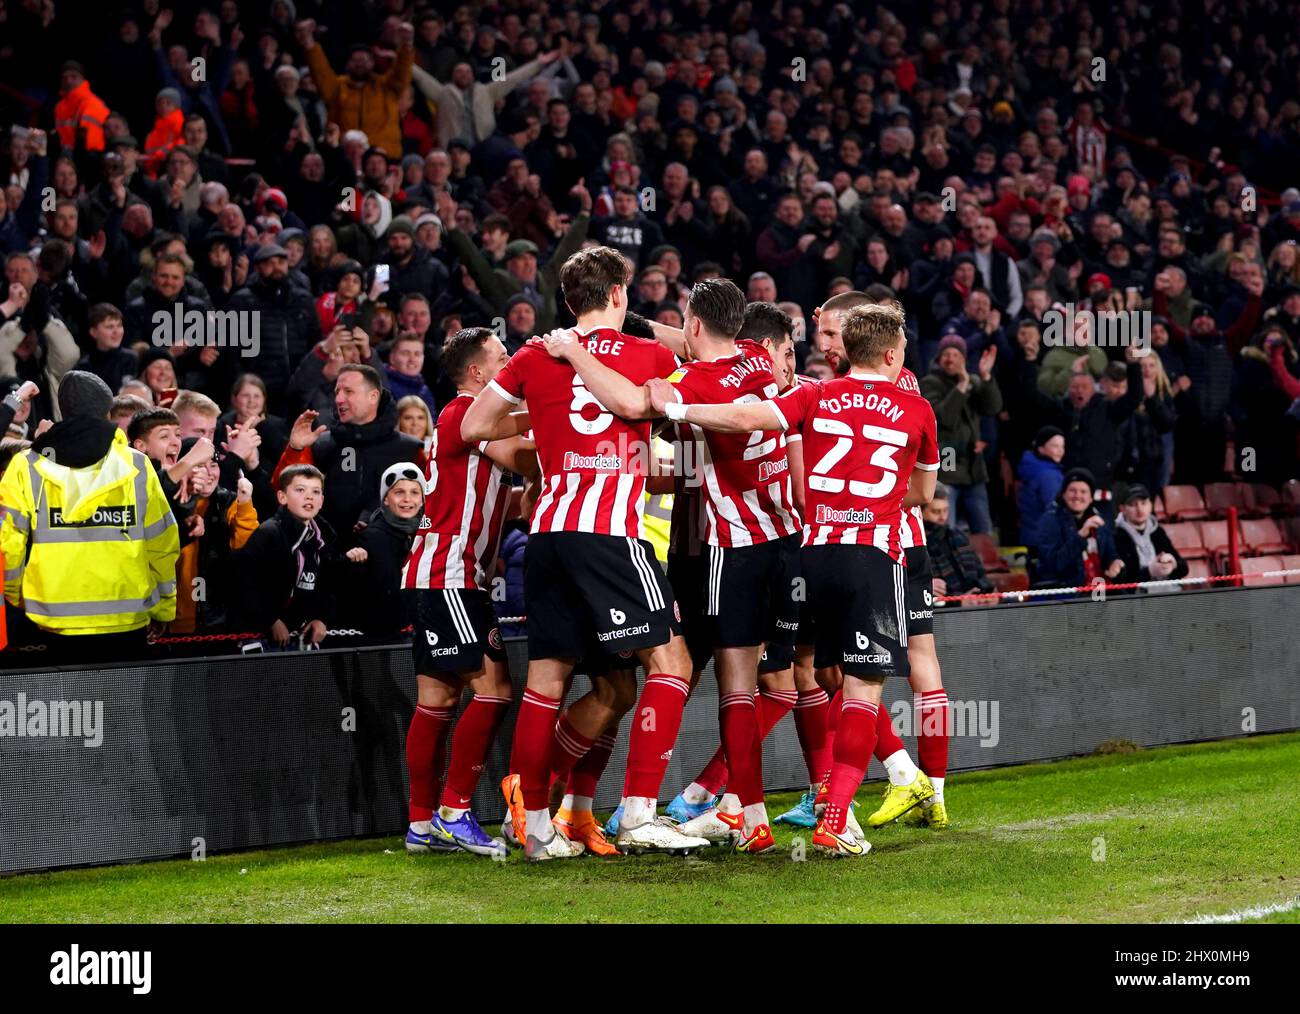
column 610, row 635
column 432, row 637
column 575, row 462
column 864, row 642
column 617, row 617
column 929, row 599
column 830, row 516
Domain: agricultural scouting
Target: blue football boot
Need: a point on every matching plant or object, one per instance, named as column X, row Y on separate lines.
column 801, row 814
column 467, row 834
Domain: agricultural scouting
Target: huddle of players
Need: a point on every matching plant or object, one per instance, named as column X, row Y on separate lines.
column 791, row 526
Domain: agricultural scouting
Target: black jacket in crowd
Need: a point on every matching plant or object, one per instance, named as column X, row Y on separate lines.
column 267, row 584
column 1128, row 553
column 289, row 328
column 371, row 598
column 352, row 479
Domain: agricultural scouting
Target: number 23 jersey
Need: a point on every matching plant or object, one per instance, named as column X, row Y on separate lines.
column 593, row 463
column 862, row 436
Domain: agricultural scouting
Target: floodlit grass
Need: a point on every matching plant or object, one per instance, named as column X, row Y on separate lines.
column 1153, row 836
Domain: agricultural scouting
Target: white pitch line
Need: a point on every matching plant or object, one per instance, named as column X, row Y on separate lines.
column 1241, row 915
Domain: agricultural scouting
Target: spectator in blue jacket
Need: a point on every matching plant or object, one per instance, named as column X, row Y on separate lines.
column 1040, row 477
column 1075, row 544
column 510, row 560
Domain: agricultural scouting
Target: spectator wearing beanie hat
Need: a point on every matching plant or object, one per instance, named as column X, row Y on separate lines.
column 91, row 589
column 411, row 267
column 1040, row 476
column 1075, row 544
column 374, row 600
column 959, row 401
column 168, row 130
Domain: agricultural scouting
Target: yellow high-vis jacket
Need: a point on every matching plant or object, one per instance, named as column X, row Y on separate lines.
column 88, row 550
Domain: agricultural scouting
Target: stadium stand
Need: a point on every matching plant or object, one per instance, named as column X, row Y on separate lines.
column 348, row 186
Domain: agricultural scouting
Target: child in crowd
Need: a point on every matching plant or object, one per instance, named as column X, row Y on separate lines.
column 376, row 602
column 203, row 570
column 283, row 580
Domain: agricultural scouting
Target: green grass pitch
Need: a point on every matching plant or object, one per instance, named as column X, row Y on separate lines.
column 1159, row 835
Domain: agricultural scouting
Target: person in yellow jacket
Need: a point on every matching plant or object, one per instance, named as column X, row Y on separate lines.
column 360, row 99
column 80, row 114
column 89, row 543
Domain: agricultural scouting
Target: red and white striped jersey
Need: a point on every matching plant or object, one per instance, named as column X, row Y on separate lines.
column 689, row 521
column 862, row 438
column 911, row 531
column 593, row 463
column 464, row 510
column 744, row 477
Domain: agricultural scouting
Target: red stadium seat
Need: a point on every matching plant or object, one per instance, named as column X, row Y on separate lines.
column 1159, row 508
column 1265, row 500
column 1219, row 496
column 1199, row 568
column 1184, row 503
column 1263, row 537
column 1291, row 562
column 1214, row 537
column 1186, row 538
column 1255, row 567
column 1010, row 582
column 988, row 551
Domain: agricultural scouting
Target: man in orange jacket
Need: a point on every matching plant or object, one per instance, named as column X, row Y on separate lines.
column 80, row 113
column 168, row 131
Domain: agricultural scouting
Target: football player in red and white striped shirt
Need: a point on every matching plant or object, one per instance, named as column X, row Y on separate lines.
column 783, row 684
column 456, row 640
column 589, row 576
column 751, row 528
column 863, row 437
column 906, row 787
column 911, row 784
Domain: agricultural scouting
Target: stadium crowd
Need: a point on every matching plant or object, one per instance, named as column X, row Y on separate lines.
column 352, row 184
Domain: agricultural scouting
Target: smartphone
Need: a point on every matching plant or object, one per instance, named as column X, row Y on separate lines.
column 167, row 397
column 349, row 320
column 381, row 274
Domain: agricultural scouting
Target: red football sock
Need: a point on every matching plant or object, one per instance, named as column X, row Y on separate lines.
column 470, row 744
column 772, row 707
column 655, row 724
column 887, row 741
column 810, row 723
column 530, row 758
column 585, row 775
column 933, row 729
column 569, row 748
column 854, row 742
column 738, row 719
column 426, row 753
column 832, row 724
column 714, row 774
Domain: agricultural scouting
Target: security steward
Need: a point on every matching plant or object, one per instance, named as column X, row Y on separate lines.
column 89, row 543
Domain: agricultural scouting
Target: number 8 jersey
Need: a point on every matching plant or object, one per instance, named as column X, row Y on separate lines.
column 862, row 436
column 593, row 463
